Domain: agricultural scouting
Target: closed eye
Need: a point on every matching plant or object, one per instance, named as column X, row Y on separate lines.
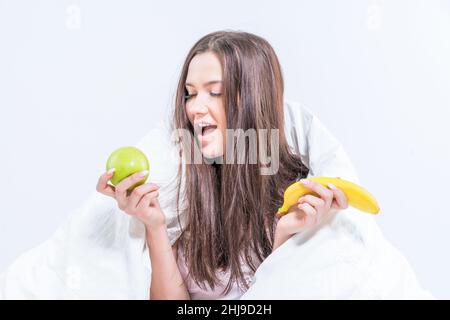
column 188, row 96
column 212, row 94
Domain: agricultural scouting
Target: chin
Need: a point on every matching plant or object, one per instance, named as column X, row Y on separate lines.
column 211, row 152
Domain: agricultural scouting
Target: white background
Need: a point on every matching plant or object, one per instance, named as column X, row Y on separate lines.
column 81, row 78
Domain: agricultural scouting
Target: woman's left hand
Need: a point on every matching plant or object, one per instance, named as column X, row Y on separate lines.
column 310, row 210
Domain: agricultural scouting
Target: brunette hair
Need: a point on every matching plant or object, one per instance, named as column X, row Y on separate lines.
column 230, row 208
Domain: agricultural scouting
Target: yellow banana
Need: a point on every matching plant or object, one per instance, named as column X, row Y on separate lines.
column 357, row 196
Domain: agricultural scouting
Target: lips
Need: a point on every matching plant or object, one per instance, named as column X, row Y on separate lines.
column 204, row 132
column 208, row 130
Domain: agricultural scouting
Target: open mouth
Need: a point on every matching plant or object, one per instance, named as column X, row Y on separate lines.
column 208, row 130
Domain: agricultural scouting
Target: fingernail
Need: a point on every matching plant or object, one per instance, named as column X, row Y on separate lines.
column 142, row 173
column 332, row 186
column 111, row 171
column 304, row 181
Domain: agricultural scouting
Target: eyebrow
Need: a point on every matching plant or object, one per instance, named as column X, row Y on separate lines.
column 205, row 84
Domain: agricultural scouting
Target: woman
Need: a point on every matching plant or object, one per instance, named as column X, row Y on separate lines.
column 225, row 199
column 229, row 81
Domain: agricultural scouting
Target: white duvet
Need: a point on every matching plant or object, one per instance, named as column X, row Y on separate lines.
column 100, row 252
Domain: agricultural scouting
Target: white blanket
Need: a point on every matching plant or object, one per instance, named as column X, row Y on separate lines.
column 100, row 252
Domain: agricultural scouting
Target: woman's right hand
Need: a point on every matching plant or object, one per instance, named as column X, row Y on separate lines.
column 141, row 203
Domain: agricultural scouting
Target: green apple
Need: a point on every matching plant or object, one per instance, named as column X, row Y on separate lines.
column 127, row 161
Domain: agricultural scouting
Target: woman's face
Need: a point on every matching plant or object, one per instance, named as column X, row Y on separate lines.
column 204, row 103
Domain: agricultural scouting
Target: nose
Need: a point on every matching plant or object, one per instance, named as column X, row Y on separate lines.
column 199, row 105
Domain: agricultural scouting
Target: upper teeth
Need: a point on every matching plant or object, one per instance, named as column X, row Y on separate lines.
column 203, row 124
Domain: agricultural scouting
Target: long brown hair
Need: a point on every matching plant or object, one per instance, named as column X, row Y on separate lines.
column 230, row 208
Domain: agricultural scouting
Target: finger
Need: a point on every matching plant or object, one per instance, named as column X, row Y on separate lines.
column 125, row 184
column 316, row 202
column 307, row 209
column 147, row 200
column 310, row 218
column 335, row 205
column 139, row 192
column 324, row 193
column 109, row 191
column 103, row 186
column 340, row 199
